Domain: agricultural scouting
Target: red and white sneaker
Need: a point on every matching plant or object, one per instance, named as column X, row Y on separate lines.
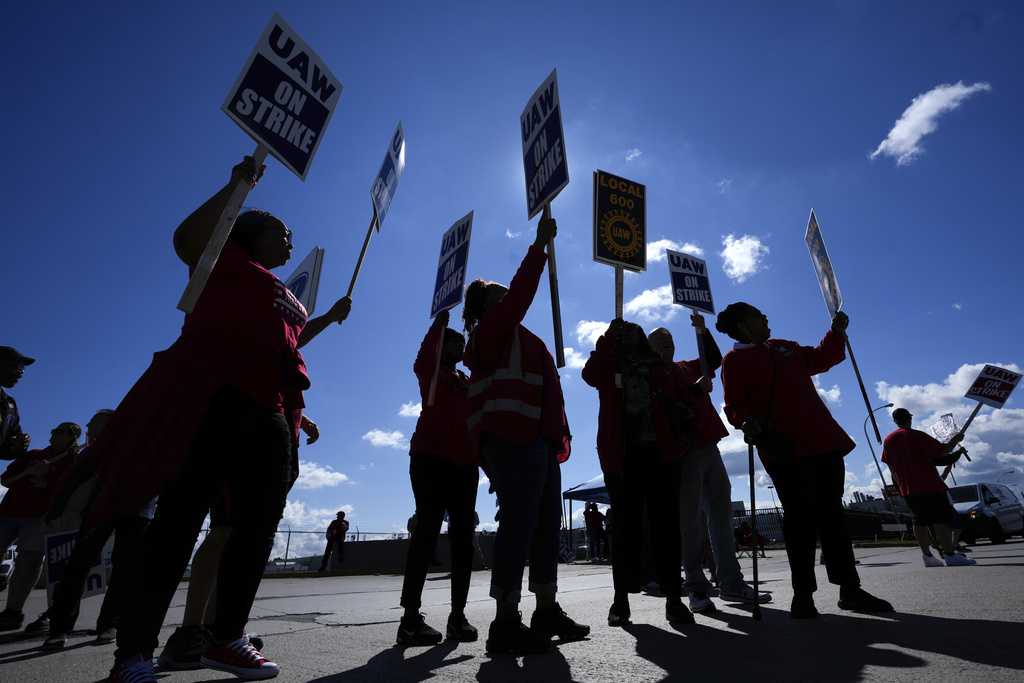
column 240, row 658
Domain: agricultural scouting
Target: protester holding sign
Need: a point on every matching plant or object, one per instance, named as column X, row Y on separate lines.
column 770, row 395
column 643, row 433
column 445, row 476
column 518, row 426
column 219, row 411
column 912, row 457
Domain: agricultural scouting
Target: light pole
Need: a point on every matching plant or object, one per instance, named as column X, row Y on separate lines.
column 875, row 457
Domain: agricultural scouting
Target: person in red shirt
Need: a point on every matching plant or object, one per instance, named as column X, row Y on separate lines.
column 912, row 457
column 595, row 529
column 517, row 425
column 770, row 395
column 32, row 481
column 705, row 483
column 335, row 535
column 445, row 476
column 218, row 413
column 642, row 435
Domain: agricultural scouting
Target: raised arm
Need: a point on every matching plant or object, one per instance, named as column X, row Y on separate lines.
column 338, row 313
column 600, row 369
column 832, row 349
column 191, row 236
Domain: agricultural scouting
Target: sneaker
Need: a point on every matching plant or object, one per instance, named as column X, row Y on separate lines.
column 414, row 631
column 11, row 620
column 956, row 560
column 700, row 603
column 803, row 607
column 40, row 625
column 553, row 621
column 932, row 561
column 653, row 589
column 57, row 641
column 512, row 637
column 459, row 628
column 676, row 612
column 744, row 592
column 240, row 658
column 106, row 635
column 618, row 615
column 255, row 641
column 185, row 648
column 133, row 670
column 857, row 599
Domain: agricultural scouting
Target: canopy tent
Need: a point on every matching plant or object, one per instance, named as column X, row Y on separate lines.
column 593, row 491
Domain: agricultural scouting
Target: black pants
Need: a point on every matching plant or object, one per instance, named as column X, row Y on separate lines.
column 242, row 451
column 438, row 486
column 651, row 486
column 127, row 556
column 594, row 543
column 811, row 492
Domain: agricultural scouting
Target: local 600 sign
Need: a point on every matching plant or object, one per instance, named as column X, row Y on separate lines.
column 285, row 96
column 619, row 215
column 451, row 266
column 547, row 170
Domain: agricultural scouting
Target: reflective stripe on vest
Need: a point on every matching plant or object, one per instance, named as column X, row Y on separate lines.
column 505, row 374
column 515, row 381
column 505, row 405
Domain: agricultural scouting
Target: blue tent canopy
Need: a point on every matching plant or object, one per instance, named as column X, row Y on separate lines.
column 593, row 491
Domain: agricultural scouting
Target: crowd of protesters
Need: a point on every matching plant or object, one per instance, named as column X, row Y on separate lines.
column 212, row 428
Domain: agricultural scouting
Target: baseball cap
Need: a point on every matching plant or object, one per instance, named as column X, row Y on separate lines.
column 901, row 413
column 9, row 354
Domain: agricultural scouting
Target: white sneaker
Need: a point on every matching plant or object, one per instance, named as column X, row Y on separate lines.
column 958, row 560
column 701, row 604
column 932, row 561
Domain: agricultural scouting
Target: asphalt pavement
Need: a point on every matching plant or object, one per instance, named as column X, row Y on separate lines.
column 950, row 624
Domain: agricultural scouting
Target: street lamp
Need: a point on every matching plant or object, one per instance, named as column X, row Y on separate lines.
column 875, row 457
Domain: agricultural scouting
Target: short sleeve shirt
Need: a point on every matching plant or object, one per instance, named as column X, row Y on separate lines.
column 911, row 454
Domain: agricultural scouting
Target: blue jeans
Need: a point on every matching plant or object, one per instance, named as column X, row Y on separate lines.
column 527, row 481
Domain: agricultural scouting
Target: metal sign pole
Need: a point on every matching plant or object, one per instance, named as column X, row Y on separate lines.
column 556, row 309
column 618, row 291
column 362, row 253
column 863, row 391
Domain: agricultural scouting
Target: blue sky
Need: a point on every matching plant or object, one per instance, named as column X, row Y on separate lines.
column 738, row 118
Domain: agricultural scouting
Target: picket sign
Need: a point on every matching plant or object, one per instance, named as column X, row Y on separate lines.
column 620, row 231
column 449, row 285
column 58, row 548
column 284, row 99
column 547, row 173
column 691, row 287
column 833, row 297
column 304, row 283
column 992, row 387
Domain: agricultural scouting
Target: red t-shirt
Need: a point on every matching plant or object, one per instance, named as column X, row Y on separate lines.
column 910, row 455
column 710, row 429
column 31, row 496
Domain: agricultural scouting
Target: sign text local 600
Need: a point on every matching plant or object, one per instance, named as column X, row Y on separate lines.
column 451, row 266
column 620, row 212
column 547, row 170
column 285, row 96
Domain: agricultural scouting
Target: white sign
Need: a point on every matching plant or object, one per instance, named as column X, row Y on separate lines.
column 284, row 97
column 823, row 267
column 944, row 428
column 993, row 386
column 305, row 281
column 386, row 183
column 691, row 285
column 547, row 170
column 451, row 266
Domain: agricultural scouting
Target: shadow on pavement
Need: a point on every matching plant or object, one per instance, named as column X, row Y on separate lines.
column 398, row 664
column 833, row 648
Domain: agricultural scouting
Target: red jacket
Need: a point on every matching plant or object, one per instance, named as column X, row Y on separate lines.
column 242, row 333
column 602, row 373
column 910, row 455
column 27, row 496
column 514, row 389
column 441, row 429
column 772, row 382
column 709, row 427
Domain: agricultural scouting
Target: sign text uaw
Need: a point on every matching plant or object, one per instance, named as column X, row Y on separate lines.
column 620, row 213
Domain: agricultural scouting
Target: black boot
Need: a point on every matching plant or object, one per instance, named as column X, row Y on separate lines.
column 510, row 636
column 413, row 631
column 856, row 599
column 460, row 629
column 553, row 621
column 803, row 607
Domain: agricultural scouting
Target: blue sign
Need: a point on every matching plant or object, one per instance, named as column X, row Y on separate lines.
column 305, row 281
column 823, row 267
column 547, row 170
column 386, row 183
column 451, row 266
column 691, row 285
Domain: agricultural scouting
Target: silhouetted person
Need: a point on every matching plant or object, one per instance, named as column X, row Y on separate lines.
column 335, row 535
column 13, row 441
column 770, row 395
column 595, row 530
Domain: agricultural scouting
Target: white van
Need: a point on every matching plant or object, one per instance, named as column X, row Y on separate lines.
column 987, row 510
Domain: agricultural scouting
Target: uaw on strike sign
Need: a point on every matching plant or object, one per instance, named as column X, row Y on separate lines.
column 691, row 286
column 284, row 97
column 547, row 170
column 451, row 266
column 619, row 222
column 386, row 183
column 993, row 386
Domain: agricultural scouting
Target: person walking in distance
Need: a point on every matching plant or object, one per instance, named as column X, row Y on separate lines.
column 445, row 476
column 704, row 483
column 335, row 535
column 517, row 423
column 595, row 530
column 216, row 414
column 643, row 435
column 770, row 395
column 912, row 457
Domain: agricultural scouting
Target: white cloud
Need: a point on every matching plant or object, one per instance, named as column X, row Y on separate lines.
column 411, row 409
column 378, row 438
column 656, row 249
column 588, row 331
column 633, row 154
column 512, row 235
column 574, row 359
column 315, row 476
column 833, row 395
column 652, row 305
column 903, row 142
column 958, row 307
column 723, row 185
column 743, row 256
